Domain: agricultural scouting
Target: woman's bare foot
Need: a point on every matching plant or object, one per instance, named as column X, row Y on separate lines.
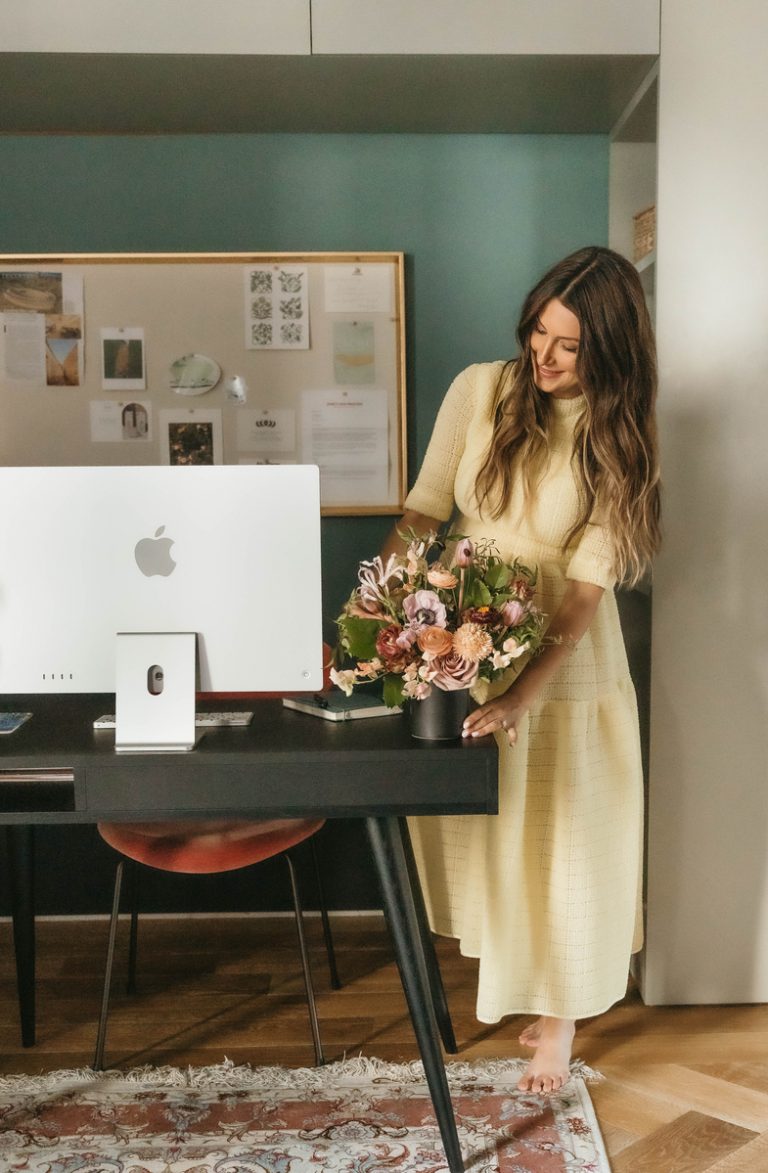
column 531, row 1034
column 550, row 1066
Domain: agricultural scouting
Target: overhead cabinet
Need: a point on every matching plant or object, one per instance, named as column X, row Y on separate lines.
column 229, row 27
column 486, row 26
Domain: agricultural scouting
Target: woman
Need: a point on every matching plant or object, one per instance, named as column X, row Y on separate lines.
column 553, row 456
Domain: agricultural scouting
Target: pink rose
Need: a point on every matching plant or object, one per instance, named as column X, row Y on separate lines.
column 390, row 651
column 452, row 672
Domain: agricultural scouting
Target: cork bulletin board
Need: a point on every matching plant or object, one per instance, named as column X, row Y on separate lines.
column 231, row 358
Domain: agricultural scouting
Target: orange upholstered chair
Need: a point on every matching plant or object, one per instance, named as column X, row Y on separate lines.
column 208, row 847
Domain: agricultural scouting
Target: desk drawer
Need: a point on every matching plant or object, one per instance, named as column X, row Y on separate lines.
column 35, row 791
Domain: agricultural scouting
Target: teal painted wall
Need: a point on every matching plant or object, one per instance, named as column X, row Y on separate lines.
column 479, row 217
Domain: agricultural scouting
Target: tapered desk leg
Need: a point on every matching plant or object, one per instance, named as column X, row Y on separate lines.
column 439, row 1000
column 21, row 858
column 387, row 843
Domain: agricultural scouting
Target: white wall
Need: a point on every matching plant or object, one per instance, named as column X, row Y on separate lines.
column 708, row 863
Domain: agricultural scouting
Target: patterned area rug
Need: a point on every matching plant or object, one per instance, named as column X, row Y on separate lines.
column 357, row 1116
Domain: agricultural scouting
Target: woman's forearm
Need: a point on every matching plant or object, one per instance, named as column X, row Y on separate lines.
column 568, row 625
column 566, row 628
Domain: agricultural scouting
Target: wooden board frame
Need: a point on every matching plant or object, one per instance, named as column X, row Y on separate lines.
column 49, row 425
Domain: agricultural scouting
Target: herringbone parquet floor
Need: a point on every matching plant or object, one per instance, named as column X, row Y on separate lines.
column 686, row 1088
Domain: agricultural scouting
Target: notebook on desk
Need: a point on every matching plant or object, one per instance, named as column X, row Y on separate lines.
column 335, row 706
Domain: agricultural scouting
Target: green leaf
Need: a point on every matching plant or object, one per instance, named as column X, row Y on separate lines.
column 361, row 636
column 393, row 690
column 497, row 576
column 477, row 595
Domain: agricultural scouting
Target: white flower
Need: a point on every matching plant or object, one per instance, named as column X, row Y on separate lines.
column 514, row 649
column 375, row 577
column 344, row 680
column 416, row 689
column 501, row 660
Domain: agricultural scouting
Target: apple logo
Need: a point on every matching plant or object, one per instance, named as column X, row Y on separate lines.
column 153, row 555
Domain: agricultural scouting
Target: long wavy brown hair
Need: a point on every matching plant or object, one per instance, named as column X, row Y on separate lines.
column 615, row 444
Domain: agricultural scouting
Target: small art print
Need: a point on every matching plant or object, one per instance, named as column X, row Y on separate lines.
column 192, row 437
column 190, row 443
column 277, row 308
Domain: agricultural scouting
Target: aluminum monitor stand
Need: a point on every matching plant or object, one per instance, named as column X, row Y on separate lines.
column 155, row 692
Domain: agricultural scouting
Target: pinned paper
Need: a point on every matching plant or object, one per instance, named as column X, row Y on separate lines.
column 359, row 289
column 267, row 431
column 122, row 356
column 346, row 434
column 112, row 422
column 353, row 353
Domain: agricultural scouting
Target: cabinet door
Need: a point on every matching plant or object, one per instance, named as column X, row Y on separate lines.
column 146, row 26
column 486, row 26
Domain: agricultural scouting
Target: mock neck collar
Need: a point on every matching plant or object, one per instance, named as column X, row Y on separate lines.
column 567, row 408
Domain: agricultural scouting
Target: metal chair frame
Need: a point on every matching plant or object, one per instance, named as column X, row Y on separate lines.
column 133, row 866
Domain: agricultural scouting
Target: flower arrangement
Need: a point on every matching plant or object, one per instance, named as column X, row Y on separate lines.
column 418, row 625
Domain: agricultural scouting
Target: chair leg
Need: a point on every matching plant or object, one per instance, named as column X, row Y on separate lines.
column 305, row 964
column 329, row 948
column 98, row 1060
column 133, row 904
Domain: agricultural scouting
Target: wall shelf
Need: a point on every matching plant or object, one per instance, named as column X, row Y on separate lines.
column 647, row 262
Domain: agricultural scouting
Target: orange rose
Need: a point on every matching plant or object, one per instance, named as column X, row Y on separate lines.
column 437, row 641
column 441, row 578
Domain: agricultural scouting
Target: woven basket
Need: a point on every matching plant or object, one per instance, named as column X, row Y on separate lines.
column 644, row 232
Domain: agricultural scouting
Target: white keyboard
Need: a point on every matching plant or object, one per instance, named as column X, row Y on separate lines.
column 202, row 720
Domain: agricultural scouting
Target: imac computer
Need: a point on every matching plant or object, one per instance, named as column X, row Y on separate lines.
column 152, row 582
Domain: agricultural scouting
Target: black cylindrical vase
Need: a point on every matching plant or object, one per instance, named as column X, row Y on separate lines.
column 440, row 716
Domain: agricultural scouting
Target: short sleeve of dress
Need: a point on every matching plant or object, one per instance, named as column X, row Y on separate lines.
column 593, row 559
column 432, row 494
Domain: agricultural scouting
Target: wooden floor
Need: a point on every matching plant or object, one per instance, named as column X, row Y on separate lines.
column 686, row 1088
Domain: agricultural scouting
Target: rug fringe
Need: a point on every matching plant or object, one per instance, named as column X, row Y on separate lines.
column 230, row 1075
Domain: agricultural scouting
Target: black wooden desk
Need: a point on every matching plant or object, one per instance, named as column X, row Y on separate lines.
column 58, row 769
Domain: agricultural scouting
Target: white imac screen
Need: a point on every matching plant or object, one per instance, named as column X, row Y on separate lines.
column 230, row 552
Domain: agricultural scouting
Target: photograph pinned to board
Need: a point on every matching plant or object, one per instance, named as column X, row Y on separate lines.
column 113, row 422
column 122, row 358
column 269, row 431
column 194, row 374
column 354, row 353
column 191, row 437
column 33, row 291
column 41, row 328
column 63, row 350
column 346, row 434
column 277, row 307
column 359, row 289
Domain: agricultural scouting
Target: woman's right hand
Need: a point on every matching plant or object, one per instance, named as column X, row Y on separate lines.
column 503, row 712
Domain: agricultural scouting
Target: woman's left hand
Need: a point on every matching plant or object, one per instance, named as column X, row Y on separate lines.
column 504, row 712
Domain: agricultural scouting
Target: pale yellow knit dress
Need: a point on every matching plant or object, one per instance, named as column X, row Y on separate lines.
column 547, row 893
